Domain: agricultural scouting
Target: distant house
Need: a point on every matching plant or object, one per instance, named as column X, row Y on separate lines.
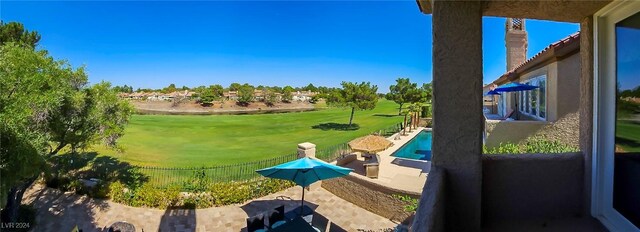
column 549, row 110
column 303, row 96
column 230, row 95
column 258, row 94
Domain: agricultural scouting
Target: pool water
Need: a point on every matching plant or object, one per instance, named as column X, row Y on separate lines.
column 419, row 148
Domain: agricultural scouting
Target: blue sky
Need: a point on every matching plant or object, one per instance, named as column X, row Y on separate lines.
column 152, row 44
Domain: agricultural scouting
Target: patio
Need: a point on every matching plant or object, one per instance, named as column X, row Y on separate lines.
column 402, row 174
column 58, row 211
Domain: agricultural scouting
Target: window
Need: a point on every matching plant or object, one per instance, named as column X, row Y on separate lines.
column 533, row 102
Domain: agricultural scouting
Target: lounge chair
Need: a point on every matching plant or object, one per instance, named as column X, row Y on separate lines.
column 256, row 223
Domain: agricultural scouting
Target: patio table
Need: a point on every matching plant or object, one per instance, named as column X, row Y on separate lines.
column 122, row 227
column 298, row 224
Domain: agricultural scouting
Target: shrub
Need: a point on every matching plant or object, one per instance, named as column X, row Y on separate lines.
column 197, row 183
column 226, row 193
column 149, row 196
column 119, row 193
column 541, row 145
column 214, row 194
column 410, row 203
column 536, row 144
column 504, row 148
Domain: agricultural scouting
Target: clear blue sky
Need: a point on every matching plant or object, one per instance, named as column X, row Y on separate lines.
column 152, row 44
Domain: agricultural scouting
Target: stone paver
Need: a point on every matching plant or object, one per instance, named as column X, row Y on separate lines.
column 58, row 211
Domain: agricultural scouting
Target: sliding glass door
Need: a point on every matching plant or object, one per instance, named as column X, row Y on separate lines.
column 616, row 186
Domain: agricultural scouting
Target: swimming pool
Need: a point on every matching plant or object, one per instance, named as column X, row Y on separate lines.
column 419, row 148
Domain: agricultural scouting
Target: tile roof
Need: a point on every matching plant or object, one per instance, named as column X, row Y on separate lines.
column 540, row 56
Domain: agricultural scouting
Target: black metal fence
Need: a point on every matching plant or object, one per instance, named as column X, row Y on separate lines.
column 163, row 177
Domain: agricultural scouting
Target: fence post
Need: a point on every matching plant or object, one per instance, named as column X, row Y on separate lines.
column 308, row 149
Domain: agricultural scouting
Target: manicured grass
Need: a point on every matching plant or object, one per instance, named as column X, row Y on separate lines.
column 628, row 135
column 197, row 141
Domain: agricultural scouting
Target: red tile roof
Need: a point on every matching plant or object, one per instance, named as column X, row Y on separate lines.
column 546, row 53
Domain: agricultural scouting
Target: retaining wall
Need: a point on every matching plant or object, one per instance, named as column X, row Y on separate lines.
column 371, row 196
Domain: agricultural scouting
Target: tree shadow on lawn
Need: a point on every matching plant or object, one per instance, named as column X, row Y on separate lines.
column 387, row 115
column 628, row 142
column 88, row 165
column 336, row 126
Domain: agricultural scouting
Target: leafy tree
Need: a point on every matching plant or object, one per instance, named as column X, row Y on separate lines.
column 184, row 87
column 216, row 90
column 310, row 87
column 123, row 89
column 170, row 89
column 276, row 89
column 235, row 87
column 35, row 127
column 427, row 89
column 15, row 32
column 88, row 115
column 404, row 92
column 245, row 94
column 270, row 98
column 287, row 94
column 362, row 96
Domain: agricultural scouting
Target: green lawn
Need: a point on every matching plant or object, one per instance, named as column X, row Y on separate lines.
column 196, row 141
column 628, row 135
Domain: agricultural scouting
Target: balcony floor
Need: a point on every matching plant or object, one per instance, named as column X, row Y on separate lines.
column 582, row 224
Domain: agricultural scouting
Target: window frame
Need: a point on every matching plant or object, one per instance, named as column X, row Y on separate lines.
column 526, row 98
column 604, row 94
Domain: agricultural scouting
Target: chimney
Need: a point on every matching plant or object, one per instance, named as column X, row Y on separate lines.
column 516, row 42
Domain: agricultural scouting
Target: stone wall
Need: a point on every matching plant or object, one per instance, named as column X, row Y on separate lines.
column 371, row 196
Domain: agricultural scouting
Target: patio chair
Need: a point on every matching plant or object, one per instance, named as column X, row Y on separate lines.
column 276, row 218
column 509, row 114
column 319, row 222
column 256, row 223
column 372, row 167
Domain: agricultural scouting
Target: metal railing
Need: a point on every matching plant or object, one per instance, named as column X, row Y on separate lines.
column 163, row 177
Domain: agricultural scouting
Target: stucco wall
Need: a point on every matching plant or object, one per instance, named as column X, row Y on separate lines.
column 566, row 130
column 430, row 213
column 568, row 85
column 586, row 102
column 457, row 108
column 510, row 131
column 370, row 196
column 531, row 187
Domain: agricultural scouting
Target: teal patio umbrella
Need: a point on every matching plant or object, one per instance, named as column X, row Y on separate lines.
column 304, row 172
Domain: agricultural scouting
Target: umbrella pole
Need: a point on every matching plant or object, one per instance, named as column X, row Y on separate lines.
column 302, row 202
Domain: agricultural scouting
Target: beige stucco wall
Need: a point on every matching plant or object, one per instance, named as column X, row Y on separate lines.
column 569, row 85
column 498, row 132
column 564, row 130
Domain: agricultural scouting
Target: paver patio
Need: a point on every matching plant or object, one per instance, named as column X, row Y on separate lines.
column 58, row 211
